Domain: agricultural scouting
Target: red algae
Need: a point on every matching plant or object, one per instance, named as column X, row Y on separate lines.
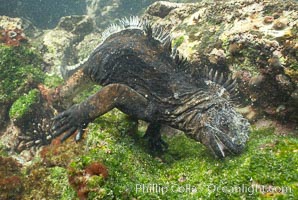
column 97, row 169
column 12, row 37
column 78, row 179
column 11, row 185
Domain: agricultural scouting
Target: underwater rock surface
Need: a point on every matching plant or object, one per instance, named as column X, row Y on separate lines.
column 58, row 44
column 255, row 40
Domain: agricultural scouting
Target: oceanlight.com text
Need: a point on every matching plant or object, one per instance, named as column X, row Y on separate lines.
column 211, row 188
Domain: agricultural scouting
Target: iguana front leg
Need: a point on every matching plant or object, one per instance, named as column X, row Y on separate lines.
column 77, row 117
column 62, row 96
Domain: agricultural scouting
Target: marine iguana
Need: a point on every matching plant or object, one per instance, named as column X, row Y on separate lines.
column 142, row 75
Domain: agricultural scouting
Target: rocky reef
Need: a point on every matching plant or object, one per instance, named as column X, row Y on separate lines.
column 58, row 45
column 255, row 41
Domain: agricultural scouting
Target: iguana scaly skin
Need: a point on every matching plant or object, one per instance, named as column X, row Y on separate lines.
column 144, row 77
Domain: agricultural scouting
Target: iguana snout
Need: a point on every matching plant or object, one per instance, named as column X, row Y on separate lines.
column 224, row 130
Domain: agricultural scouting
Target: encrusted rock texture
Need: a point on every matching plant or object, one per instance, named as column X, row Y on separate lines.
column 255, row 40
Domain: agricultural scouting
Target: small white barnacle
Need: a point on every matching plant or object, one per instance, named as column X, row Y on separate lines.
column 176, row 95
column 37, row 141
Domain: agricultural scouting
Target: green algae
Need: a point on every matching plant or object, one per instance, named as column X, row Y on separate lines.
column 52, row 81
column 178, row 41
column 50, row 183
column 11, row 185
column 3, row 152
column 186, row 170
column 23, row 104
column 58, row 179
column 20, row 71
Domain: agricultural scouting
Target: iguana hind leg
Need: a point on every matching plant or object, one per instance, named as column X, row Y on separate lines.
column 77, row 117
column 153, row 136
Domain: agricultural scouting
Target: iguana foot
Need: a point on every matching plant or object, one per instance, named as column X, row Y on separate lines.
column 75, row 119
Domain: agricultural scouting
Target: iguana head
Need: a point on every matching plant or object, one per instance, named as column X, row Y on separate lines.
column 224, row 131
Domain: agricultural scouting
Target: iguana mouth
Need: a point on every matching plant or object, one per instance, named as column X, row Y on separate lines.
column 226, row 145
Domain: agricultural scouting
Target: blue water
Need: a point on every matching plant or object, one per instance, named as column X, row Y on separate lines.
column 47, row 13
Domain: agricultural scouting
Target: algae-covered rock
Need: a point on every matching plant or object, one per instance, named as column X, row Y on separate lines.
column 255, row 40
column 162, row 8
column 87, row 45
column 25, row 115
column 55, row 43
column 58, row 45
column 19, row 23
column 22, row 106
column 11, row 184
column 20, row 72
column 29, row 127
column 184, row 171
column 77, row 24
